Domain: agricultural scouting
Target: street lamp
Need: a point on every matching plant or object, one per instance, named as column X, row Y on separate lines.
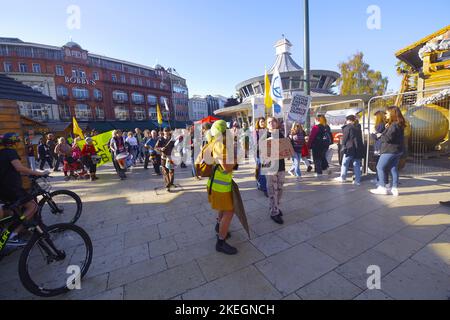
column 307, row 62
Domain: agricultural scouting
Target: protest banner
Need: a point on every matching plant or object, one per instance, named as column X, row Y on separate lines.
column 101, row 143
column 299, row 108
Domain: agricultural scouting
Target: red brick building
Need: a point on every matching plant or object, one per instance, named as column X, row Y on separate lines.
column 88, row 86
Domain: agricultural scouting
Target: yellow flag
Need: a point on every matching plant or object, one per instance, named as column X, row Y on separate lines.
column 76, row 129
column 101, row 144
column 159, row 114
column 267, row 96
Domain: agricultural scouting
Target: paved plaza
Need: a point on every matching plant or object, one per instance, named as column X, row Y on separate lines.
column 154, row 245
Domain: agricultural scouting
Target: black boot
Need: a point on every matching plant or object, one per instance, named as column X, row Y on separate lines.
column 218, row 230
column 225, row 248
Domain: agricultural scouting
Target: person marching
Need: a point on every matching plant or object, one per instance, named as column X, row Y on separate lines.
column 260, row 129
column 165, row 145
column 354, row 150
column 392, row 148
column 297, row 137
column 117, row 146
column 154, row 155
column 219, row 187
column 319, row 142
column 87, row 153
column 275, row 180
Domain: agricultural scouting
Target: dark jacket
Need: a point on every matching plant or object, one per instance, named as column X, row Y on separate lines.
column 43, row 151
column 352, row 142
column 393, row 139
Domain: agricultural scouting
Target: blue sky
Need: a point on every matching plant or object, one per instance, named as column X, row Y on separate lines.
column 215, row 44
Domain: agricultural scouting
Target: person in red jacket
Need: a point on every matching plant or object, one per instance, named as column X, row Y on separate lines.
column 87, row 153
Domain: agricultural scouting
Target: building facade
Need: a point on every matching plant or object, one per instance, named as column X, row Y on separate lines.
column 180, row 95
column 87, row 86
column 198, row 108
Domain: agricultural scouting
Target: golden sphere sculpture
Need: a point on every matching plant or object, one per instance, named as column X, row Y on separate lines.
column 429, row 127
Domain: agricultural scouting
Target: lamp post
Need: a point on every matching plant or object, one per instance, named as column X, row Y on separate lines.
column 307, row 75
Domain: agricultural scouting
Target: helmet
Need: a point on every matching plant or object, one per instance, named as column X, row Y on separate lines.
column 9, row 139
column 219, row 127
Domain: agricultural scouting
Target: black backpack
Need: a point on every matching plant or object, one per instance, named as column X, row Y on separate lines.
column 324, row 138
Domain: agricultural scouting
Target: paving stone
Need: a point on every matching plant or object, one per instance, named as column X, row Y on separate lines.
column 436, row 254
column 414, row 281
column 336, row 244
column 292, row 269
column 297, row 233
column 373, row 295
column 356, row 269
column 141, row 236
column 245, row 284
column 328, row 221
column 89, row 287
column 114, row 294
column 217, row 264
column 162, row 246
column 166, row 285
column 270, row 244
column 173, row 227
column 292, row 297
column 378, row 226
column 331, row 286
column 190, row 253
column 398, row 247
column 136, row 271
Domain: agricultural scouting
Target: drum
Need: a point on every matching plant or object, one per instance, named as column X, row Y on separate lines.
column 96, row 159
column 122, row 160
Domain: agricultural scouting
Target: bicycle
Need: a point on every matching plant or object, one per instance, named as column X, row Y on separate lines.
column 61, row 206
column 49, row 254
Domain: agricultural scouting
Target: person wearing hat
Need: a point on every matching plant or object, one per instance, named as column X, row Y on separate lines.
column 87, row 153
column 219, row 187
column 165, row 146
column 11, row 189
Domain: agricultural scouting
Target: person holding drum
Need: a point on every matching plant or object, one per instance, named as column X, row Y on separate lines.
column 119, row 153
column 165, row 145
column 90, row 158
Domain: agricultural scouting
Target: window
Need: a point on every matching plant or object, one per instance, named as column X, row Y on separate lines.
column 114, row 77
column 99, row 113
column 133, row 80
column 96, row 76
column 36, row 68
column 60, row 71
column 82, row 74
column 149, row 83
column 137, row 98
column 83, row 112
column 64, row 112
column 39, row 112
column 23, row 67
column 80, row 93
column 121, row 113
column 163, row 101
column 152, row 100
column 62, row 91
column 74, row 73
column 120, row 96
column 140, row 81
column 98, row 95
column 123, row 79
column 8, row 67
column 152, row 113
column 139, row 113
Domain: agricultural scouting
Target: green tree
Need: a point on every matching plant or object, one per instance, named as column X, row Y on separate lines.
column 357, row 78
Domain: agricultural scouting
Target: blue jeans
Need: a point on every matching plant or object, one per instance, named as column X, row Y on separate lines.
column 388, row 163
column 296, row 166
column 261, row 181
column 356, row 167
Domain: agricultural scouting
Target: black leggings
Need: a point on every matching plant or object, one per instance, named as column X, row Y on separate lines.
column 87, row 161
column 42, row 162
column 320, row 160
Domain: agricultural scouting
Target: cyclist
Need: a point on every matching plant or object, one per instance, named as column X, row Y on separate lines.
column 11, row 189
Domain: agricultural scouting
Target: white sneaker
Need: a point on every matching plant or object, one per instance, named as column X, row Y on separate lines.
column 395, row 192
column 356, row 183
column 339, row 179
column 380, row 190
column 291, row 173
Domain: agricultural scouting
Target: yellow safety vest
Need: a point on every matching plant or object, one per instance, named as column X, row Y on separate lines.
column 221, row 182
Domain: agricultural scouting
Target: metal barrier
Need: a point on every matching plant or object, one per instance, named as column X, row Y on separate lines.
column 427, row 133
column 344, row 105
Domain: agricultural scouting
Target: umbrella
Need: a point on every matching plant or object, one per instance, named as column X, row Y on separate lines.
column 208, row 119
column 239, row 209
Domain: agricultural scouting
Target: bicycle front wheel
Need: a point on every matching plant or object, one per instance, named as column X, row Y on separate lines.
column 63, row 206
column 54, row 262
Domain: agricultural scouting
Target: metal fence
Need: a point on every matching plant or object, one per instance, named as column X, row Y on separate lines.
column 427, row 132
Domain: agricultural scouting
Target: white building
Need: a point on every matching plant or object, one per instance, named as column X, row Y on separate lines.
column 198, row 108
column 222, row 101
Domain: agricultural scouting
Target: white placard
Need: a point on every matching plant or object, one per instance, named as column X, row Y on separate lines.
column 299, row 108
column 259, row 109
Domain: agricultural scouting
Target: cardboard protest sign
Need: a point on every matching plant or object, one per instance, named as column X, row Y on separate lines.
column 299, row 108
